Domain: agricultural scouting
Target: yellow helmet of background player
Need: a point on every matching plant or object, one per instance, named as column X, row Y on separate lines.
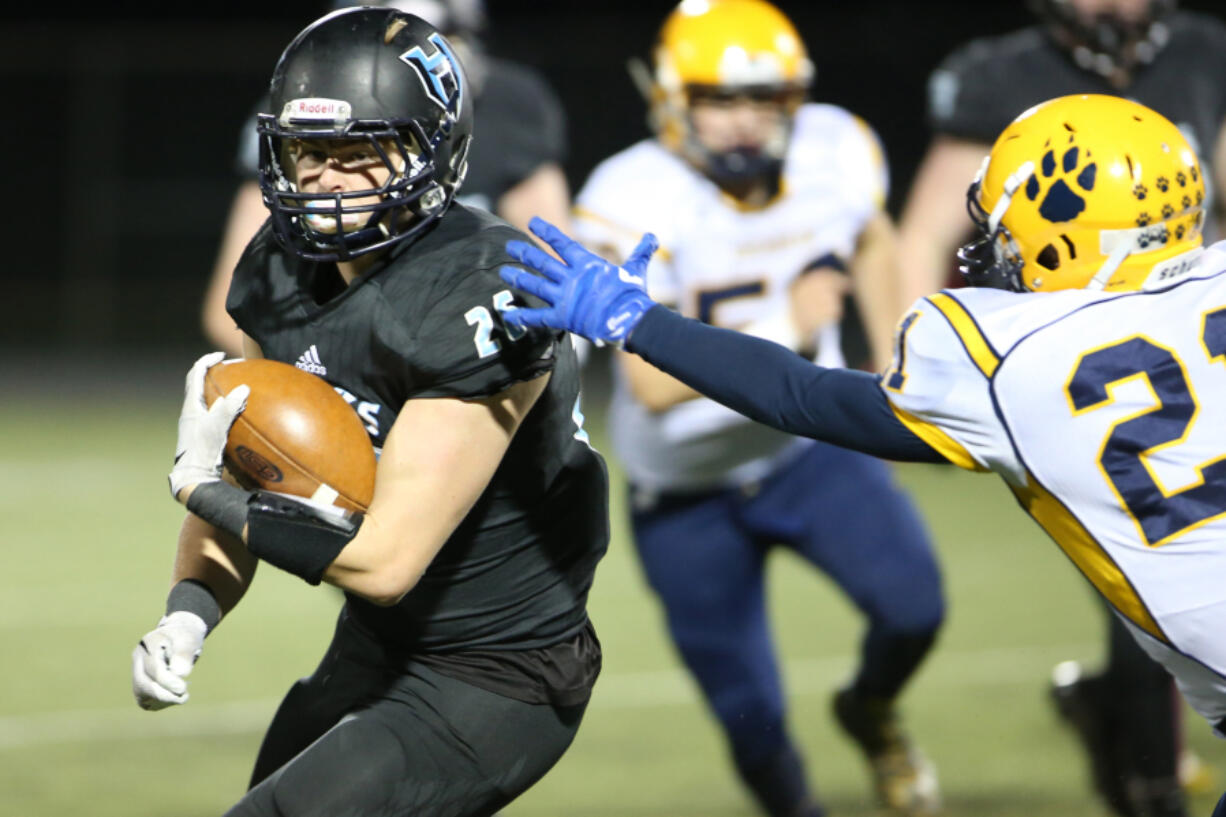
column 730, row 47
column 1086, row 191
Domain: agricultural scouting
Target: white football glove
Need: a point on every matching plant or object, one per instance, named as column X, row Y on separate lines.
column 164, row 658
column 203, row 429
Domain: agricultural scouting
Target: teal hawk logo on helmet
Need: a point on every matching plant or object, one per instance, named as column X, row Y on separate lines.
column 439, row 72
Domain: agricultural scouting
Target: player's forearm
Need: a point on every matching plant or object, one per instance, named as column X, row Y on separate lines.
column 875, row 278
column 774, row 386
column 543, row 193
column 928, row 244
column 247, row 213
column 934, row 219
column 436, row 463
column 384, row 562
column 214, row 558
column 656, row 390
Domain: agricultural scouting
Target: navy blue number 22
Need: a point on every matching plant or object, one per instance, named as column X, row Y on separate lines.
column 1159, row 516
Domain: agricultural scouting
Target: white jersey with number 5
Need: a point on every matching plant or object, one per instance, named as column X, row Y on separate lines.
column 1106, row 414
column 728, row 266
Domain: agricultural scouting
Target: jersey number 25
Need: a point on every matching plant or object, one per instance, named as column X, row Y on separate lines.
column 481, row 318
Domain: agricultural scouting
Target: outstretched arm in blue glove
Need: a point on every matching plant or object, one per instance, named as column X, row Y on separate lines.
column 587, row 295
column 762, row 380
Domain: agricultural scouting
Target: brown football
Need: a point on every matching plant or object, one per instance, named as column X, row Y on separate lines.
column 296, row 436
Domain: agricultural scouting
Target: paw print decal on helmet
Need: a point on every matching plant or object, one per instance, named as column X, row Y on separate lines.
column 1061, row 201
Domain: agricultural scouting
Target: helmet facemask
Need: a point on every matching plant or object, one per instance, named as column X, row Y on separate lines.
column 726, row 53
column 373, row 78
column 1108, row 42
column 741, row 164
column 330, row 226
column 991, row 259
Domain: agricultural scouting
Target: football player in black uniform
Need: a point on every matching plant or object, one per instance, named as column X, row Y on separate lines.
column 518, row 175
column 463, row 658
column 1172, row 61
column 1167, row 59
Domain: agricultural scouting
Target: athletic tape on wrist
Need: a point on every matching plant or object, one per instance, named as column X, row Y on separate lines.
column 194, row 596
column 294, row 537
column 221, row 504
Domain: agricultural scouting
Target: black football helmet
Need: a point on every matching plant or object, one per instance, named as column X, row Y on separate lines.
column 1108, row 41
column 373, row 75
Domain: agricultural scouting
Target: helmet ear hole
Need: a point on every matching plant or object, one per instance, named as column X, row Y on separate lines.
column 1048, row 257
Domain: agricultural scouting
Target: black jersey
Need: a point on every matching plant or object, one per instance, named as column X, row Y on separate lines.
column 519, row 126
column 984, row 85
column 425, row 321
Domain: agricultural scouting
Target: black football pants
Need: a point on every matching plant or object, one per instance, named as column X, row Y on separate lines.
column 361, row 738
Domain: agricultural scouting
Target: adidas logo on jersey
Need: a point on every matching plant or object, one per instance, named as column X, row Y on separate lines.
column 309, row 361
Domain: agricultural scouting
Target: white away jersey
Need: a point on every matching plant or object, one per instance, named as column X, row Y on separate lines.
column 727, row 266
column 1106, row 414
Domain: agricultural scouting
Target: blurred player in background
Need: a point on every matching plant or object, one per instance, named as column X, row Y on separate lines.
column 1174, row 62
column 514, row 169
column 769, row 210
column 1084, row 364
column 463, row 657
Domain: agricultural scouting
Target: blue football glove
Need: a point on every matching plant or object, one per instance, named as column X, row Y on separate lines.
column 587, row 295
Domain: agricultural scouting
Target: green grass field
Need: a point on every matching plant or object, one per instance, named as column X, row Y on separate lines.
column 87, row 533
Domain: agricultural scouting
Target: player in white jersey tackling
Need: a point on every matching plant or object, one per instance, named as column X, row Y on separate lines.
column 768, row 209
column 1087, row 367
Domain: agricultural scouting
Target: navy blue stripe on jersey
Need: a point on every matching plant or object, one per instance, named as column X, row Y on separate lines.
column 1199, row 275
column 772, row 385
column 827, row 261
column 1065, row 527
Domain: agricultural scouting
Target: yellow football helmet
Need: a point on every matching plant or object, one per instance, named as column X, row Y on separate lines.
column 1086, row 191
column 728, row 47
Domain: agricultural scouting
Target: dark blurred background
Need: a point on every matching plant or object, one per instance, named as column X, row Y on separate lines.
column 122, row 130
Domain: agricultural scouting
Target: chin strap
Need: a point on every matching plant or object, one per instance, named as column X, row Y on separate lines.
column 1012, row 185
column 1117, row 256
column 1118, row 245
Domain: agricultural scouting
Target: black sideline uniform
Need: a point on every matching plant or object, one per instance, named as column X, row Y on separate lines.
column 470, row 688
column 984, row 85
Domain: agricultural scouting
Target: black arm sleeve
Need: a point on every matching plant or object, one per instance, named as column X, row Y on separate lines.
column 774, row 386
column 281, row 531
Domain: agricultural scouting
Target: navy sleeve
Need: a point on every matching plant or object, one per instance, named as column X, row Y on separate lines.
column 774, row 386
